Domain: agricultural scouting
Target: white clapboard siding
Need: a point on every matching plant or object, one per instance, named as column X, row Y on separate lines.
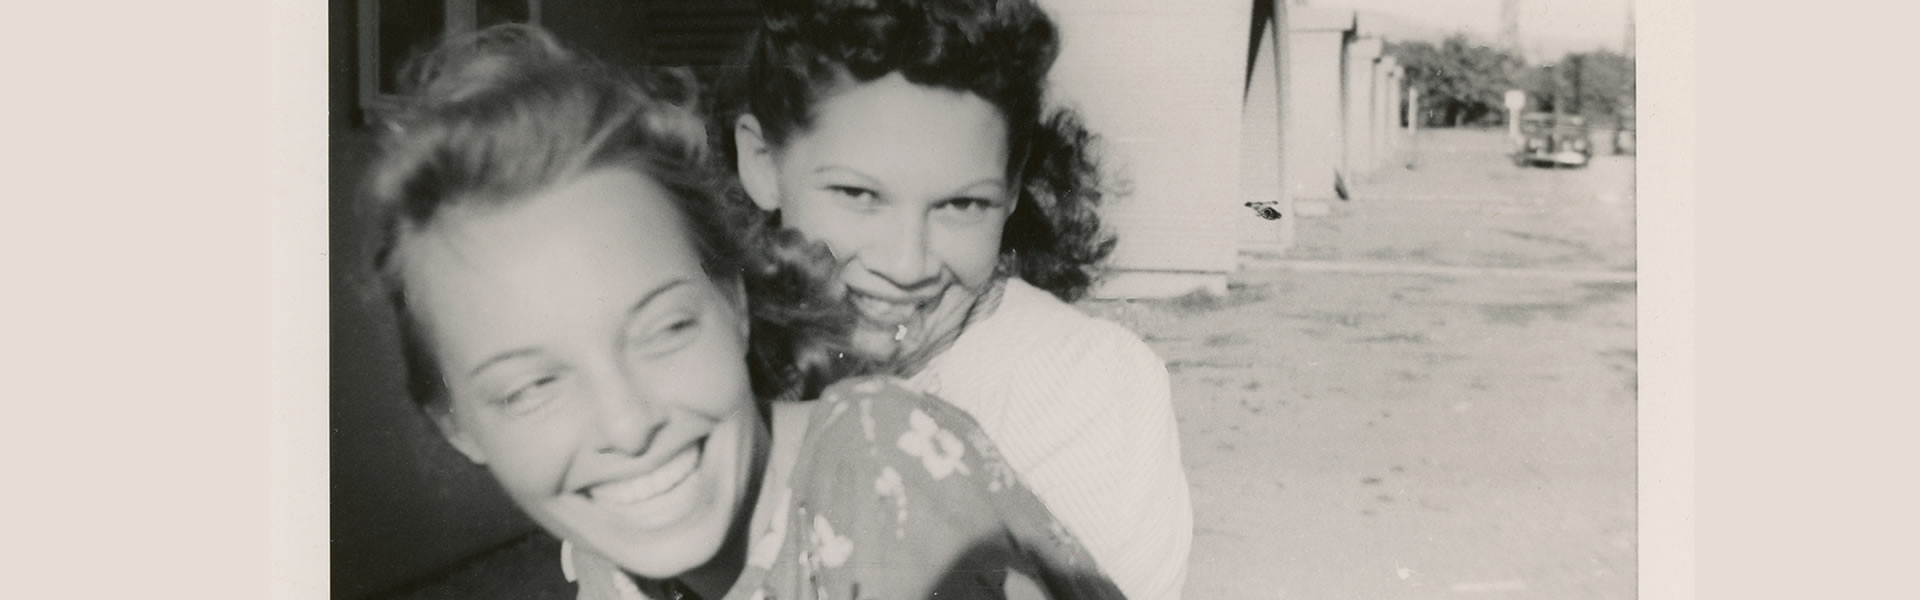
column 1161, row 82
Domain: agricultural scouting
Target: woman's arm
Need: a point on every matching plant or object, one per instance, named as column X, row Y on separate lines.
column 906, row 497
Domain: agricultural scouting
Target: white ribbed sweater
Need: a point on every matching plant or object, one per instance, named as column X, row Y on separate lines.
column 1082, row 410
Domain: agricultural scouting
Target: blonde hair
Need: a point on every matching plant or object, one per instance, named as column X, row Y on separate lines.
column 493, row 116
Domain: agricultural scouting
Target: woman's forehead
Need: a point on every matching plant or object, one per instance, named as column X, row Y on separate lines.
column 890, row 122
column 571, row 263
column 601, row 229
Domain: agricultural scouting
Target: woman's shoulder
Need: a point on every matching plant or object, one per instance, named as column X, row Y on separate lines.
column 1041, row 320
column 875, row 401
column 1040, row 362
column 883, row 418
column 905, row 490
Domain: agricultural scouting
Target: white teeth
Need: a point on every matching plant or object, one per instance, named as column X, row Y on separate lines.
column 882, row 310
column 649, row 485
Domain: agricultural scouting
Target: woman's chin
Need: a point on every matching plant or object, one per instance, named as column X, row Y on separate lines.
column 686, row 527
column 875, row 344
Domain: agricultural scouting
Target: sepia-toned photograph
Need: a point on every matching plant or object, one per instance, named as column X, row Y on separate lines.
column 778, row 299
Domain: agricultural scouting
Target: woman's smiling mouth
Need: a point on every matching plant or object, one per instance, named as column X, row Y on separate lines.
column 885, row 312
column 643, row 489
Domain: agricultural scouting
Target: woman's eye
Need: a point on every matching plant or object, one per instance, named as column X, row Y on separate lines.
column 970, row 204
column 966, row 210
column 669, row 336
column 679, row 326
column 858, row 195
column 530, row 396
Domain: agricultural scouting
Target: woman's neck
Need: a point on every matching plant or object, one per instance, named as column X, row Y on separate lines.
column 789, row 430
column 982, row 305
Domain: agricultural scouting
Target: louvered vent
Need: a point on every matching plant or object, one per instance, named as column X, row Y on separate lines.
column 704, row 34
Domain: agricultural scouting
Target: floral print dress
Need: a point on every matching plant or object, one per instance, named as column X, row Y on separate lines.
column 895, row 495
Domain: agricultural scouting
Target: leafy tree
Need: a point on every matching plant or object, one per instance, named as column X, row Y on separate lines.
column 1597, row 84
column 1603, row 83
column 1460, row 81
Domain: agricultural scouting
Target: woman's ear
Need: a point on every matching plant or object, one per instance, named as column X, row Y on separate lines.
column 756, row 168
column 1017, row 179
column 443, row 419
column 737, row 292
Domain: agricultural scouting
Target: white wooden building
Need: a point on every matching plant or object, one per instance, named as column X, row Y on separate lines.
column 1161, row 83
column 1317, row 150
column 1201, row 134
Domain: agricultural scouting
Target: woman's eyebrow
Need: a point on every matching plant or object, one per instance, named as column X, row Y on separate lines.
column 998, row 183
column 655, row 293
column 826, row 169
column 500, row 358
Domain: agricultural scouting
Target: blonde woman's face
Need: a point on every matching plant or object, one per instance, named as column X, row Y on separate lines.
column 594, row 367
column 908, row 185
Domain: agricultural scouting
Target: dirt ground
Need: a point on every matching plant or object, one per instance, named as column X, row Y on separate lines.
column 1432, row 395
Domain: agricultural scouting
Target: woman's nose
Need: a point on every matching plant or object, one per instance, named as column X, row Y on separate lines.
column 901, row 255
column 627, row 419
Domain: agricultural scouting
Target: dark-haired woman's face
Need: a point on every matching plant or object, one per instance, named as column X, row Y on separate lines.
column 908, row 185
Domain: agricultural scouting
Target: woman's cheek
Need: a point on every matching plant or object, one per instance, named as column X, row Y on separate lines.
column 840, row 230
column 976, row 253
column 709, row 378
column 531, row 460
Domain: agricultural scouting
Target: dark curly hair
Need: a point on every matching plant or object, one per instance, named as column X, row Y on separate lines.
column 805, row 50
column 492, row 117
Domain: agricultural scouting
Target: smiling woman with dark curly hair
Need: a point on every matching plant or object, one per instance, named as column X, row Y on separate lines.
column 914, row 140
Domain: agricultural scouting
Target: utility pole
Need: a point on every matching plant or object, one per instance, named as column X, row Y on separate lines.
column 1576, row 67
column 1627, row 48
column 1510, row 27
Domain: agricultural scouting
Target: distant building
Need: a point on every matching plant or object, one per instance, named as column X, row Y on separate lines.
column 1341, row 103
column 1316, row 132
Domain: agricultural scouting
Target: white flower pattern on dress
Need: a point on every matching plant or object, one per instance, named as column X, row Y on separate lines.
column 869, row 387
column 833, row 549
column 766, row 548
column 889, row 485
column 938, row 449
column 866, row 420
column 999, row 474
column 1064, row 538
column 838, row 408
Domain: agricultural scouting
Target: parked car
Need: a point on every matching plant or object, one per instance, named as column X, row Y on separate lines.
column 1624, row 141
column 1552, row 140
